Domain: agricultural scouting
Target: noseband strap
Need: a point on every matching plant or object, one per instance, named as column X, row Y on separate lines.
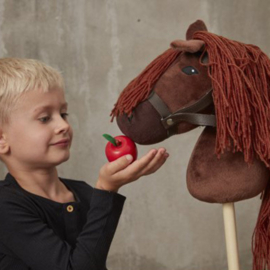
column 187, row 114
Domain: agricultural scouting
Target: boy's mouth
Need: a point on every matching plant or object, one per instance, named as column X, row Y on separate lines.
column 62, row 142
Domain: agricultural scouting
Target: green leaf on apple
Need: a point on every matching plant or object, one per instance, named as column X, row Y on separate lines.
column 110, row 139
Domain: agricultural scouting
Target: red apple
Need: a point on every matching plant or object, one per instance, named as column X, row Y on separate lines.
column 119, row 146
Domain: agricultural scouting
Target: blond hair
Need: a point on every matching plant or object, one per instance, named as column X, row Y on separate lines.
column 18, row 75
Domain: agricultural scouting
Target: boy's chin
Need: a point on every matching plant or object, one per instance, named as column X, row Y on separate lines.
column 60, row 161
column 65, row 159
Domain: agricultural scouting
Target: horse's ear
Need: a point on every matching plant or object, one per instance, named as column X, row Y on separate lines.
column 191, row 46
column 199, row 25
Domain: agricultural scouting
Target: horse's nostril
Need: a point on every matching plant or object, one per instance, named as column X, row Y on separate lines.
column 130, row 117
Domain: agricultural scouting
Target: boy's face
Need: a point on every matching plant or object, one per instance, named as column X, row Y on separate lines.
column 36, row 124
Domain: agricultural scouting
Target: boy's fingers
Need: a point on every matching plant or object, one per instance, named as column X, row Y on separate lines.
column 119, row 164
column 140, row 164
column 137, row 166
column 156, row 163
column 155, row 166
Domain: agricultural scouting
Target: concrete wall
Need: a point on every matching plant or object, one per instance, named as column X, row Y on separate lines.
column 100, row 45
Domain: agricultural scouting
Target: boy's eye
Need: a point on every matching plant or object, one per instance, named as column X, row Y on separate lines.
column 47, row 118
column 64, row 115
column 44, row 119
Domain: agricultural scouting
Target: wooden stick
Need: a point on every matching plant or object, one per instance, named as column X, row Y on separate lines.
column 231, row 236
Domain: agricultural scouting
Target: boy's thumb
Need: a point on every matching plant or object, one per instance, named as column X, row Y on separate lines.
column 123, row 161
column 129, row 158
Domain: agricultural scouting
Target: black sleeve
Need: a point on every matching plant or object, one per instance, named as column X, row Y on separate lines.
column 32, row 241
column 11, row 263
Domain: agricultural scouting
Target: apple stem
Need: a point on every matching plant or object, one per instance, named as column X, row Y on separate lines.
column 111, row 139
column 117, row 142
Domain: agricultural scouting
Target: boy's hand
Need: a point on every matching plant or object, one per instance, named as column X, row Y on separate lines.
column 117, row 173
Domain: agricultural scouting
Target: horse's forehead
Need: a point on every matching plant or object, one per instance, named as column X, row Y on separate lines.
column 186, row 56
column 190, row 59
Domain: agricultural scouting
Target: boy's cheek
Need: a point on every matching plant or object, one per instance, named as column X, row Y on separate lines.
column 71, row 136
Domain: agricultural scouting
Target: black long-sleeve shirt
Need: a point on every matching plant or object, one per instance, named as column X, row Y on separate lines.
column 40, row 234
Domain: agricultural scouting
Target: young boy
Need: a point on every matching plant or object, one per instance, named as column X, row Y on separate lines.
column 48, row 222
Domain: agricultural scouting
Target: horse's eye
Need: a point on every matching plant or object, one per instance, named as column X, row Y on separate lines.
column 190, row 70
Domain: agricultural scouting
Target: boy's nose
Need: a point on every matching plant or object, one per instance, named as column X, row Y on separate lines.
column 63, row 126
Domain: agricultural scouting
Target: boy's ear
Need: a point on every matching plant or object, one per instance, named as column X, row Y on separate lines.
column 4, row 146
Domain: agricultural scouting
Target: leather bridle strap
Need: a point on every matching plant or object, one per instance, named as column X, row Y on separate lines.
column 187, row 114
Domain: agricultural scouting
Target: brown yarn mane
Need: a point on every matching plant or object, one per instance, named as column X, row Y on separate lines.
column 240, row 76
column 139, row 88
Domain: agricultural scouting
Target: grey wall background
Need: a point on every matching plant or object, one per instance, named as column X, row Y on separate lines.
column 100, row 45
